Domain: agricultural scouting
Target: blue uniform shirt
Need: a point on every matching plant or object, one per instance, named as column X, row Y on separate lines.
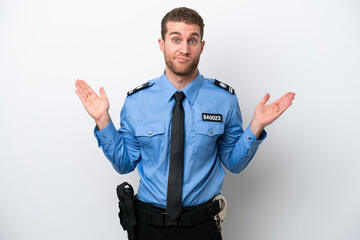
column 143, row 141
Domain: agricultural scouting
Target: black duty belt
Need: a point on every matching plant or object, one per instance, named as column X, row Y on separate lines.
column 192, row 215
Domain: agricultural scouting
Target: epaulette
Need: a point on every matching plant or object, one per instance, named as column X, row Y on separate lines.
column 224, row 86
column 141, row 87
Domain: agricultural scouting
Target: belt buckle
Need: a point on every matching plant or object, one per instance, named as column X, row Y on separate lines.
column 169, row 222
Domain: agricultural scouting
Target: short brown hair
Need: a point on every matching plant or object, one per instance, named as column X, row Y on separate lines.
column 182, row 14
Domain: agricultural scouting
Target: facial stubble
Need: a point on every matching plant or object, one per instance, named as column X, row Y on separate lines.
column 186, row 71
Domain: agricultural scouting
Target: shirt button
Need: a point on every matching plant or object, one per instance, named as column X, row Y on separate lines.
column 211, row 132
column 249, row 138
column 150, row 132
column 104, row 136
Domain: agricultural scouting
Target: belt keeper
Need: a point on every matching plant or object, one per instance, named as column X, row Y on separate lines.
column 149, row 218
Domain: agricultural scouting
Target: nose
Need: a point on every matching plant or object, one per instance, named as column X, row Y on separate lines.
column 185, row 48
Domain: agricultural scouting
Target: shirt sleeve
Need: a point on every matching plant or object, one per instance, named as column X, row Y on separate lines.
column 119, row 146
column 236, row 146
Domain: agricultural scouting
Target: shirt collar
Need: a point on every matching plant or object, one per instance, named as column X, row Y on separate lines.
column 190, row 90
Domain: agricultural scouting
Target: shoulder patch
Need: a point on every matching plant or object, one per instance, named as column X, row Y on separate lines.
column 224, row 86
column 141, row 87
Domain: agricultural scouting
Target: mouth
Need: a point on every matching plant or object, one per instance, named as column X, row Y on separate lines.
column 182, row 59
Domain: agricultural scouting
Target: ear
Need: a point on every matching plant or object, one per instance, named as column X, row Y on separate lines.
column 202, row 46
column 161, row 44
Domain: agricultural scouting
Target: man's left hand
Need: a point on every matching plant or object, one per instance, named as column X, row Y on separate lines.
column 266, row 114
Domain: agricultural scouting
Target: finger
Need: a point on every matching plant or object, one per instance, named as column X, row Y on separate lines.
column 286, row 102
column 284, row 107
column 83, row 100
column 84, row 87
column 88, row 88
column 265, row 98
column 286, row 95
column 288, row 99
column 81, row 90
column 102, row 92
column 78, row 84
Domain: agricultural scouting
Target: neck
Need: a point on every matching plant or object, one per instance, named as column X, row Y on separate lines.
column 180, row 82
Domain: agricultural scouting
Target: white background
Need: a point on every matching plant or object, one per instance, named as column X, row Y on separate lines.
column 304, row 182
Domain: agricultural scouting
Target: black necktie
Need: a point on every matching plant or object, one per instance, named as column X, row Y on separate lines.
column 175, row 180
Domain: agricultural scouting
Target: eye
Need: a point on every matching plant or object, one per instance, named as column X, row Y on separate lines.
column 193, row 41
column 176, row 40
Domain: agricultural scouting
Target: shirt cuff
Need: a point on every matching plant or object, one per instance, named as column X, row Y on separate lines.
column 105, row 135
column 250, row 139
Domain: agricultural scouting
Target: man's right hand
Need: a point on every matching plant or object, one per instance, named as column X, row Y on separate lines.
column 97, row 107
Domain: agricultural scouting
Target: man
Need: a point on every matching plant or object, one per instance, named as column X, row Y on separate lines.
column 180, row 130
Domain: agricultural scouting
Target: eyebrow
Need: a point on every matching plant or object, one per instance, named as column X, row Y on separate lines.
column 177, row 33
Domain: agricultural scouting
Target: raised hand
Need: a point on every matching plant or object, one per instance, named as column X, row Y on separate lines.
column 266, row 114
column 97, row 107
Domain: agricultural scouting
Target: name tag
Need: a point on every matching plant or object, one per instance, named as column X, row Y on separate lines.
column 212, row 117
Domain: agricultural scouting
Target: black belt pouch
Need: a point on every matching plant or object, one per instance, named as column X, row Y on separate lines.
column 127, row 217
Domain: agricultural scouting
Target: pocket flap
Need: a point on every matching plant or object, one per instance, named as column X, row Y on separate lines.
column 150, row 129
column 209, row 128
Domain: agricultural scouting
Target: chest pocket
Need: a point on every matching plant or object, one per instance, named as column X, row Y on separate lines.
column 209, row 129
column 150, row 134
column 205, row 137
